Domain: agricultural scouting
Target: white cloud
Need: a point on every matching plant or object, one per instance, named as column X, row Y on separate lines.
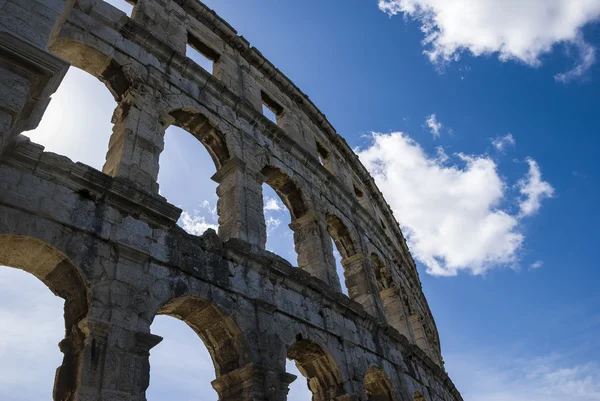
column 502, row 142
column 197, row 222
column 452, row 214
column 433, row 125
column 533, row 190
column 522, row 30
column 537, row 264
column 273, row 205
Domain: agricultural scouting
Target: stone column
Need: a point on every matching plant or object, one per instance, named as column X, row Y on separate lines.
column 416, row 322
column 360, row 286
column 104, row 362
column 313, row 246
column 166, row 18
column 240, row 205
column 395, row 314
column 137, row 139
column 253, row 383
column 28, row 76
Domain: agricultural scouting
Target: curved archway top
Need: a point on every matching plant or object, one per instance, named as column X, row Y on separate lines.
column 378, row 385
column 320, row 369
column 200, row 127
column 382, row 272
column 221, row 335
column 52, row 267
column 87, row 53
column 289, row 192
column 343, row 238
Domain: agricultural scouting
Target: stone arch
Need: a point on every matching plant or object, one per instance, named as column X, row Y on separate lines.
column 319, row 368
column 289, row 192
column 378, row 386
column 341, row 236
column 382, row 274
column 418, row 396
column 53, row 268
column 221, row 335
column 201, row 128
column 64, row 279
column 93, row 57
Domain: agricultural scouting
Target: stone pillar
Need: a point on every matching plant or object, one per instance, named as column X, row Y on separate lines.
column 360, row 287
column 416, row 322
column 250, row 90
column 313, row 246
column 240, row 205
column 107, row 363
column 394, row 312
column 253, row 383
column 137, row 139
column 28, row 76
column 167, row 19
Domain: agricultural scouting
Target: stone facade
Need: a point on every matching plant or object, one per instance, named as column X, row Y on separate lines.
column 108, row 243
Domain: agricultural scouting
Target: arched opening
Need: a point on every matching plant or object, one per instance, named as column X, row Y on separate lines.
column 418, row 396
column 384, row 279
column 77, row 122
column 283, row 203
column 341, row 236
column 298, row 389
column 286, row 188
column 345, row 247
column 221, row 336
column 181, row 365
column 31, row 326
column 187, row 164
column 319, row 368
column 378, row 386
column 31, row 320
column 280, row 237
column 199, row 126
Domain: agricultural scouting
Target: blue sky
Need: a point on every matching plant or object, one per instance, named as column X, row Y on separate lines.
column 478, row 120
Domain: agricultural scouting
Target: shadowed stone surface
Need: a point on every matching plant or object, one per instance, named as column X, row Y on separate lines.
column 108, row 244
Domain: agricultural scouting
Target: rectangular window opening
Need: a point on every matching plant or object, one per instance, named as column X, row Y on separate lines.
column 322, row 153
column 270, row 108
column 359, row 194
column 201, row 54
column 124, row 5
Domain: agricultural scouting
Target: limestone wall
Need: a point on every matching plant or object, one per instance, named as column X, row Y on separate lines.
column 108, row 243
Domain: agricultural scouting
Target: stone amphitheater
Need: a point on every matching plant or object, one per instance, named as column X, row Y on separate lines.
column 108, row 243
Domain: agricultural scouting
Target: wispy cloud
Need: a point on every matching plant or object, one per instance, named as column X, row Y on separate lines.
column 434, row 125
column 514, row 378
column 537, row 265
column 587, row 58
column 502, row 142
column 533, row 190
column 272, row 223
